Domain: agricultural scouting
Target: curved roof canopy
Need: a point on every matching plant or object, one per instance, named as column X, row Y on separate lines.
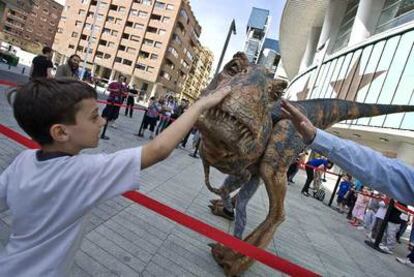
column 298, row 18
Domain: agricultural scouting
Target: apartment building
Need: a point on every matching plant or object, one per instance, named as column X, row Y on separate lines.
column 199, row 75
column 150, row 42
column 30, row 27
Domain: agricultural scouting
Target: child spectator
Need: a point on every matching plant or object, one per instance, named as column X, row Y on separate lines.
column 344, row 188
column 359, row 208
column 379, row 218
column 393, row 226
column 60, row 186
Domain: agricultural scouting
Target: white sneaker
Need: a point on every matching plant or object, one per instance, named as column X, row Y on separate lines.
column 405, row 261
column 385, row 249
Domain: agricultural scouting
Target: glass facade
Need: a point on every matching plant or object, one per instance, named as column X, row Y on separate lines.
column 344, row 32
column 395, row 13
column 378, row 72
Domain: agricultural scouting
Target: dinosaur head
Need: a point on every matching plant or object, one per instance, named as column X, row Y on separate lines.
column 235, row 133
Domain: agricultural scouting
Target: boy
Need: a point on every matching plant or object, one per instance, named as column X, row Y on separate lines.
column 49, row 191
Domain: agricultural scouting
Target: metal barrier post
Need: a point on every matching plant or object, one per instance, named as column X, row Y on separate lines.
column 335, row 189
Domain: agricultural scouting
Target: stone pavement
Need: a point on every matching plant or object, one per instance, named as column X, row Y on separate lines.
column 125, row 239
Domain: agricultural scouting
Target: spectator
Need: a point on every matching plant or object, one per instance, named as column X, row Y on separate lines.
column 116, row 96
column 393, row 225
column 311, row 166
column 343, row 190
column 70, row 69
column 379, row 218
column 360, row 206
column 130, row 101
column 42, row 64
column 151, row 116
column 294, row 167
column 167, row 111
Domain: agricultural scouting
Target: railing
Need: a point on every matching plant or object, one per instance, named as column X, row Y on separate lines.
column 379, row 70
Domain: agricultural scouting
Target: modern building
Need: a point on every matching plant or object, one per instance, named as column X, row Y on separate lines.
column 256, row 32
column 30, row 25
column 199, row 75
column 150, row 42
column 355, row 50
column 258, row 48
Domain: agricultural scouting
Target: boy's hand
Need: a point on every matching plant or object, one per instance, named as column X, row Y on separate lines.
column 300, row 121
column 213, row 99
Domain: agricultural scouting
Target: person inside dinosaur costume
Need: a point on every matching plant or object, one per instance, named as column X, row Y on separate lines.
column 246, row 138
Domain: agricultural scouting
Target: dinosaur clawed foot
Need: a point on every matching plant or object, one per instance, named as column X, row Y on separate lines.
column 232, row 262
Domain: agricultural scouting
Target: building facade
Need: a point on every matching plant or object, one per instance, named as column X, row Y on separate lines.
column 355, row 50
column 199, row 75
column 30, row 27
column 256, row 31
column 150, row 42
column 258, row 48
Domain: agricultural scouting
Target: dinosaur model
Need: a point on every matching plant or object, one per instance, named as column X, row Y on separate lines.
column 245, row 137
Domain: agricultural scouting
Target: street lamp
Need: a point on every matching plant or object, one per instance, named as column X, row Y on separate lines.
column 88, row 47
column 232, row 29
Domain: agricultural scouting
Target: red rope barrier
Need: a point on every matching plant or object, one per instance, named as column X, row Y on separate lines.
column 194, row 224
column 401, row 207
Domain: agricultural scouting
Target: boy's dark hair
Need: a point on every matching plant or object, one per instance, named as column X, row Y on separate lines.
column 46, row 50
column 43, row 102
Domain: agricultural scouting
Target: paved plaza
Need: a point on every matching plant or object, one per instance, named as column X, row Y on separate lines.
column 125, row 239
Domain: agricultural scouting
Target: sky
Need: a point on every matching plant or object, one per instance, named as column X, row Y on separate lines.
column 215, row 17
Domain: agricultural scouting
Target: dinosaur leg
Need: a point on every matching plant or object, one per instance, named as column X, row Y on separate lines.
column 235, row 263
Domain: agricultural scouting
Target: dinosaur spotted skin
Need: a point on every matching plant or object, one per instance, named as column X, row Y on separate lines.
column 267, row 151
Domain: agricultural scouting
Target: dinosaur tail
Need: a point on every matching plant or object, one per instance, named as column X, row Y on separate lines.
column 326, row 112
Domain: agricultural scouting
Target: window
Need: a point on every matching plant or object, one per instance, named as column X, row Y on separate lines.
column 84, row 37
column 118, row 59
column 345, row 29
column 121, row 10
column 113, row 7
column 134, row 12
column 118, row 21
column 111, row 44
column 114, row 33
column 157, row 44
column 159, row 5
column 131, row 50
column 59, row 30
column 82, row 12
column 395, row 13
column 173, row 51
column 155, row 17
column 106, row 30
column 127, row 62
column 75, row 35
column 125, row 36
column 183, row 14
column 161, row 31
column 107, row 56
column 135, row 38
column 165, row 75
column 71, row 46
column 150, row 69
column 170, row 7
column 146, row 2
column 138, row 26
column 110, row 19
column 78, row 23
column 148, row 42
column 100, row 17
column 129, row 24
column 154, row 57
column 140, row 66
column 152, row 29
column 142, row 14
column 143, row 54
column 165, row 19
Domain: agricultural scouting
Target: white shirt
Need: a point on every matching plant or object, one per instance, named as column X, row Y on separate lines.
column 48, row 201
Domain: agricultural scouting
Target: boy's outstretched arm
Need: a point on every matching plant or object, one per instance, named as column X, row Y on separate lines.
column 162, row 145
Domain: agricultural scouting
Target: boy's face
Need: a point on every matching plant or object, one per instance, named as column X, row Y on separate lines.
column 85, row 133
